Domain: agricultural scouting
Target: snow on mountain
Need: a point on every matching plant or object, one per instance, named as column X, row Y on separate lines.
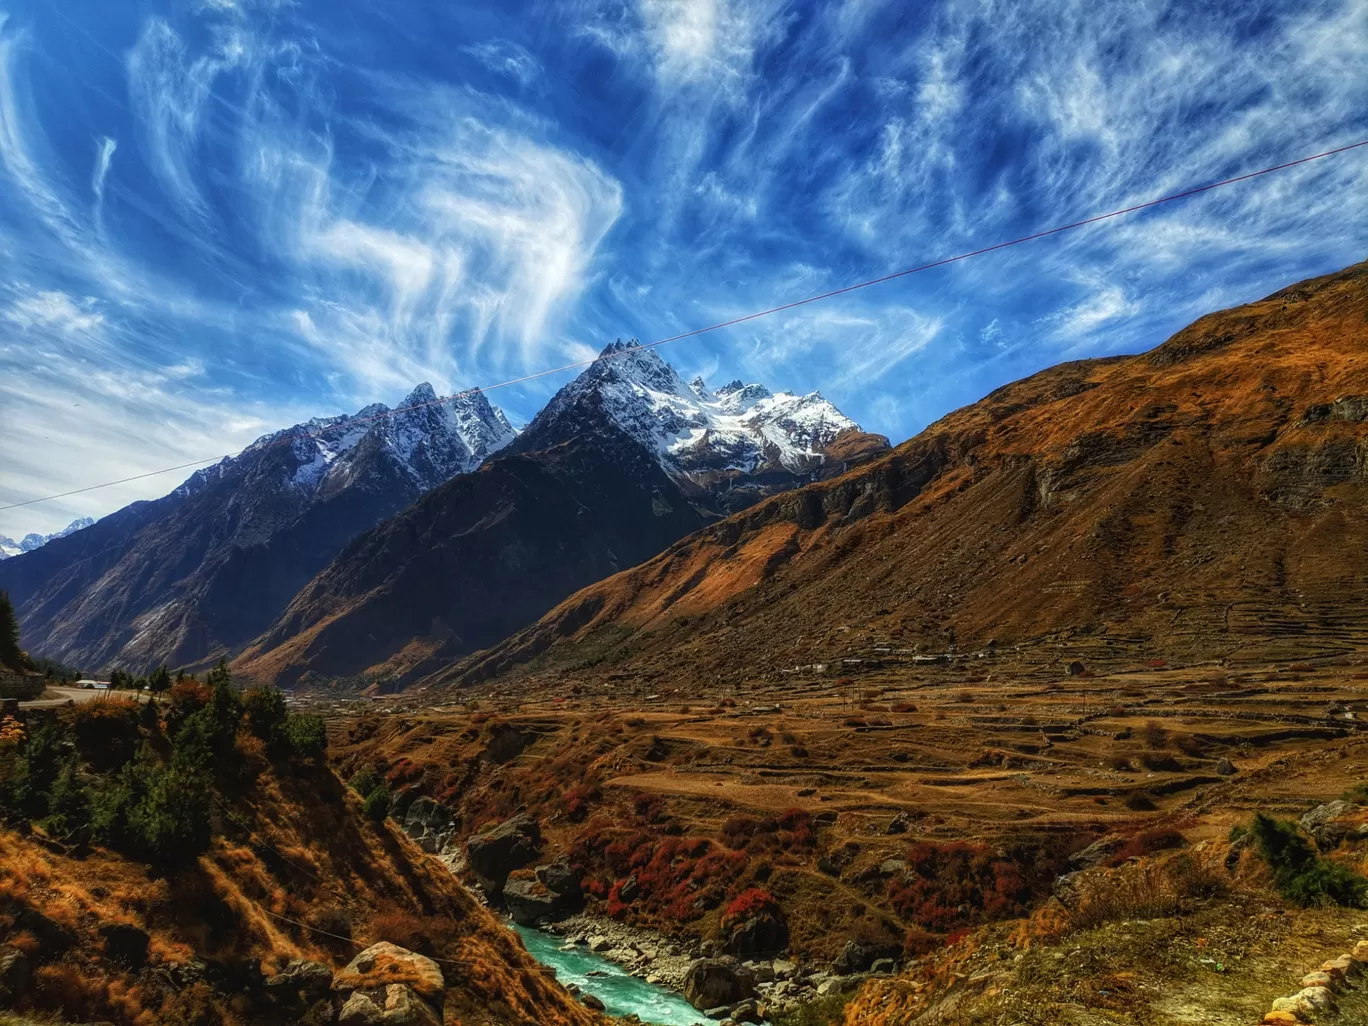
column 10, row 547
column 430, row 440
column 739, row 427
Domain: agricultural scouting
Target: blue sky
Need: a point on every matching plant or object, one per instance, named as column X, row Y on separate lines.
column 223, row 217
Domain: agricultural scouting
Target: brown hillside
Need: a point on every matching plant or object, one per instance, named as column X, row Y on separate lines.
column 294, row 870
column 1204, row 500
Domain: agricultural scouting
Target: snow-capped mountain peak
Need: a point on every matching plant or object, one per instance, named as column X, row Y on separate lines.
column 33, row 540
column 740, row 427
column 430, row 439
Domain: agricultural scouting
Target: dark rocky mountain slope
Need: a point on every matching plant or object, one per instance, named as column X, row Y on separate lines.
column 621, row 462
column 201, row 571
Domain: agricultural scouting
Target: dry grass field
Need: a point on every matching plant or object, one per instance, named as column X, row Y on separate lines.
column 931, row 807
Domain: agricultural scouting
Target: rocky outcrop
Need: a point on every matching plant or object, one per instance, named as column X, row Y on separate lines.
column 494, row 854
column 432, row 825
column 860, row 956
column 552, row 892
column 1320, row 989
column 715, row 982
column 302, row 992
column 387, row 985
column 1331, row 823
column 762, row 934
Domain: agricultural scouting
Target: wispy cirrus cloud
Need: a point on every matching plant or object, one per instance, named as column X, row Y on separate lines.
column 313, row 205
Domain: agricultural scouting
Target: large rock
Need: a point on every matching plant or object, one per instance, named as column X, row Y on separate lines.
column 494, row 854
column 530, row 903
column 713, row 982
column 1097, row 853
column 53, row 938
column 432, row 825
column 763, row 934
column 301, row 979
column 560, row 878
column 1325, row 824
column 860, row 956
column 391, row 1005
column 387, row 985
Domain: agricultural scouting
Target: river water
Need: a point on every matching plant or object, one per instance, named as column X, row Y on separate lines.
column 620, row 991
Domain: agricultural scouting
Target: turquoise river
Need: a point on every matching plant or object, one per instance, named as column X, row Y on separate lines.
column 620, row 991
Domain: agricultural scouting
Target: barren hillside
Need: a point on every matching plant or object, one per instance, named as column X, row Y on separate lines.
column 1201, row 501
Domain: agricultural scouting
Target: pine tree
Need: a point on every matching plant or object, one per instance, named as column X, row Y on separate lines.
column 10, row 653
column 160, row 681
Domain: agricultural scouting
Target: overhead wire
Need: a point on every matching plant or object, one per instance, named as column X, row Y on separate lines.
column 288, row 438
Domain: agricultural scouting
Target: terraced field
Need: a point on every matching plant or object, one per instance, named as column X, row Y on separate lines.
column 987, row 750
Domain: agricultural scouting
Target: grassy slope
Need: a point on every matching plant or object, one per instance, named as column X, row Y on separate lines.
column 298, row 848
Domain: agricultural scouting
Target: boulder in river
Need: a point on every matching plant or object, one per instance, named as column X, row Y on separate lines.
column 714, row 982
column 530, row 902
column 495, row 853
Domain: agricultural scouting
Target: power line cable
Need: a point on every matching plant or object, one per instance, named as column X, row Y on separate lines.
column 291, row 438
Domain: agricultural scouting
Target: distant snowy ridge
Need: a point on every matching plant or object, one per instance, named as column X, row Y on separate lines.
column 432, row 441
column 739, row 427
column 10, row 547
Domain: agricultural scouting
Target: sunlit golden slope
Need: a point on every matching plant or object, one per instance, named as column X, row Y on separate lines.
column 1202, row 500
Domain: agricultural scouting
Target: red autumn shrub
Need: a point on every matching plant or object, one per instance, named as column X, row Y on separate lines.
column 677, row 877
column 577, row 801
column 1147, row 842
column 751, row 902
column 956, row 883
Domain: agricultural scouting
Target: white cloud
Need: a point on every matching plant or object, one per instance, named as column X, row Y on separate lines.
column 1106, row 303
column 507, row 58
column 103, row 155
column 56, row 310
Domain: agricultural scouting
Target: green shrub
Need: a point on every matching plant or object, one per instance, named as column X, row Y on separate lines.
column 68, row 812
column 36, row 772
column 307, row 735
column 366, row 780
column 156, row 813
column 377, row 804
column 106, row 731
column 266, row 715
column 1299, row 873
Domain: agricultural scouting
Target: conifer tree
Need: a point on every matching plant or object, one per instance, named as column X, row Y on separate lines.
column 10, row 653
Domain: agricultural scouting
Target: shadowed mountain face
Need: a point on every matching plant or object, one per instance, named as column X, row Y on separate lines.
column 202, row 571
column 622, row 462
column 1204, row 500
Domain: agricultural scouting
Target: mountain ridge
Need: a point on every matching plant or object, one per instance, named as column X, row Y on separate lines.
column 227, row 548
column 1192, row 502
column 33, row 540
column 626, row 444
